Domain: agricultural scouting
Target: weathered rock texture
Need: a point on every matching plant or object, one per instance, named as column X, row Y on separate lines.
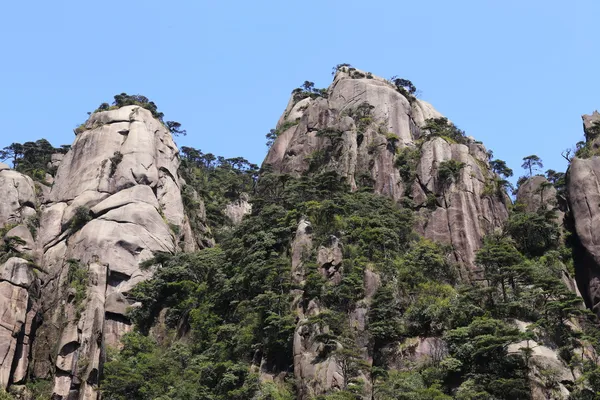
column 114, row 202
column 537, row 193
column 318, row 372
column 583, row 187
column 365, row 152
column 17, row 280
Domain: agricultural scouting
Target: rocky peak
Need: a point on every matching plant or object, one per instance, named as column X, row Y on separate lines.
column 115, row 201
column 377, row 134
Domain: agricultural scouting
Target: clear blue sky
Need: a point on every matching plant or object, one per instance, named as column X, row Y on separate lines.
column 515, row 74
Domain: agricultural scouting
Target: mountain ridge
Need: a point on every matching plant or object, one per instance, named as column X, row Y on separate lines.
column 375, row 254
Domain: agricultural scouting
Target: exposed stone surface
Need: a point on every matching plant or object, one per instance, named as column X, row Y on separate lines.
column 536, row 192
column 589, row 121
column 15, row 280
column 315, row 374
column 329, row 260
column 20, row 240
column 584, row 200
column 114, row 202
column 465, row 209
column 462, row 213
column 236, row 210
column 301, row 247
column 17, row 192
column 415, row 352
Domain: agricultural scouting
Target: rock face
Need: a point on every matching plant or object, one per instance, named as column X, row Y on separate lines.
column 236, row 210
column 535, row 193
column 583, row 188
column 115, row 201
column 316, row 370
column 363, row 129
column 16, row 311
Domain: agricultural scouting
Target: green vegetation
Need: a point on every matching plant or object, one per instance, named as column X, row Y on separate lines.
column 441, row 127
column 333, row 135
column 362, row 116
column 342, row 67
column 449, row 171
column 232, row 301
column 115, row 160
column 308, row 90
column 77, row 280
column 589, row 147
column 405, row 87
column 82, row 216
column 216, row 181
column 124, row 99
column 32, row 158
column 532, row 163
column 501, row 169
column 406, row 162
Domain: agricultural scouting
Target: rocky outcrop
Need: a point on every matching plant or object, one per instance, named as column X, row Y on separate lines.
column 319, row 370
column 18, row 195
column 236, row 210
column 583, row 188
column 537, row 193
column 114, row 202
column 459, row 211
column 363, row 129
column 16, row 316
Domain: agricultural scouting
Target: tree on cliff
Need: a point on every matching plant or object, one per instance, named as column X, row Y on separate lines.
column 500, row 168
column 532, row 163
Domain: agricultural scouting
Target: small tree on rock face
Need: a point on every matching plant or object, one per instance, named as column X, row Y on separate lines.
column 175, row 128
column 404, row 84
column 308, row 86
column 532, row 163
column 500, row 168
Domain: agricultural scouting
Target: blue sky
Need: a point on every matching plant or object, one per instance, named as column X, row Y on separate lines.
column 515, row 74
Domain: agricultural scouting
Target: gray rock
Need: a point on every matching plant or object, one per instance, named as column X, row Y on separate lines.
column 537, row 192
column 584, row 201
column 135, row 194
column 87, row 200
column 134, row 200
column 20, row 239
column 117, row 303
column 3, row 166
column 466, row 209
column 329, row 260
column 236, row 210
column 301, row 247
column 18, row 272
column 13, row 311
column 16, row 191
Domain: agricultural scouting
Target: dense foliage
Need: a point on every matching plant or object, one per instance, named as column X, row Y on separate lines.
column 441, row 127
column 231, row 303
column 216, row 181
column 32, row 158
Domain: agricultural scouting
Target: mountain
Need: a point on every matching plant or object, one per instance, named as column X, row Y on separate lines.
column 375, row 254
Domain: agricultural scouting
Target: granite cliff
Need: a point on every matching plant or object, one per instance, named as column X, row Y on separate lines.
column 376, row 254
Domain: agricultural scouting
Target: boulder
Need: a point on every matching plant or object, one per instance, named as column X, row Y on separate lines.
column 535, row 193
column 17, row 271
column 16, row 191
column 236, row 210
column 20, row 240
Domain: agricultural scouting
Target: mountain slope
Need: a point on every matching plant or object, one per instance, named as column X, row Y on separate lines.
column 377, row 256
